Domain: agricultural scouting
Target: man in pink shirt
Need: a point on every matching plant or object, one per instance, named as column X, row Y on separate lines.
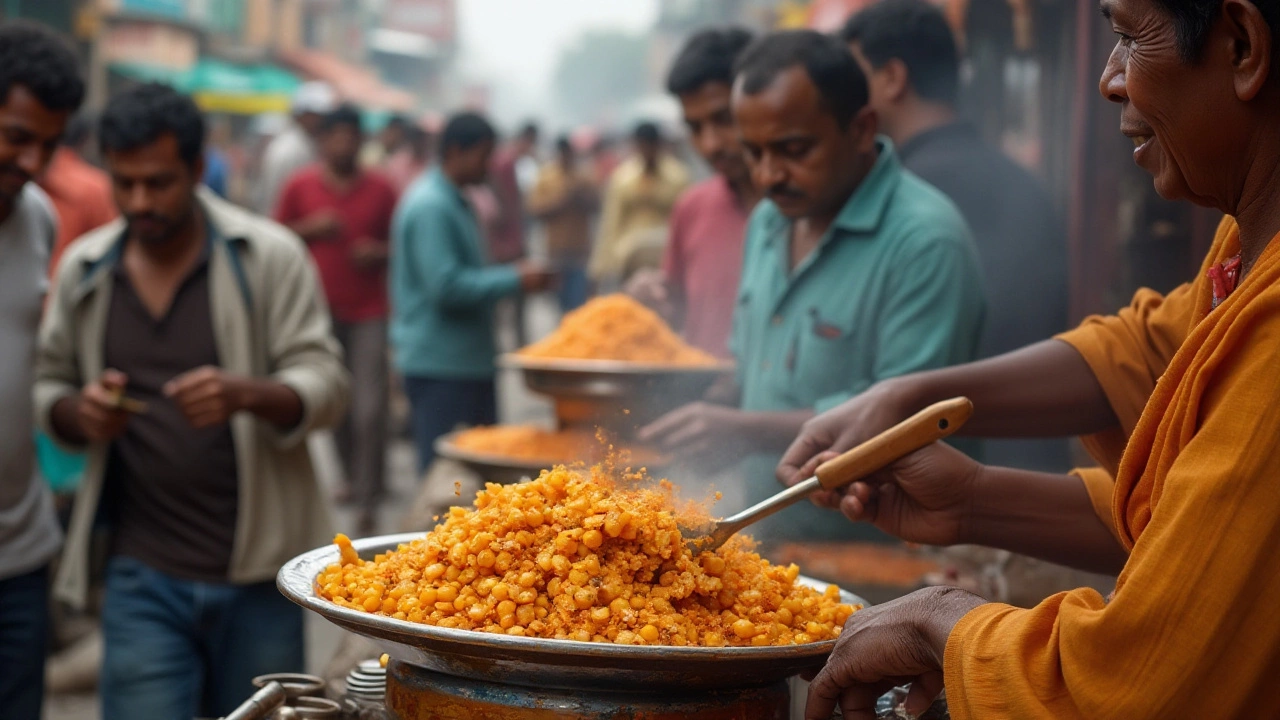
column 343, row 212
column 697, row 288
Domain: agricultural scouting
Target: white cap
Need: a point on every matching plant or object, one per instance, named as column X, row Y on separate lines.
column 314, row 97
column 269, row 124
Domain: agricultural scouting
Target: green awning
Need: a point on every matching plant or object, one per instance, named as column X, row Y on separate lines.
column 219, row 86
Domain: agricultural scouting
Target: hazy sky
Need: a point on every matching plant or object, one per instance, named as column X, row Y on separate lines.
column 515, row 43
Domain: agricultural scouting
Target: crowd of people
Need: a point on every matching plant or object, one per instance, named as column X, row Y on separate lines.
column 857, row 252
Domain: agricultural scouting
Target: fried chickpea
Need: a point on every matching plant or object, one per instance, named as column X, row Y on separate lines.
column 530, row 560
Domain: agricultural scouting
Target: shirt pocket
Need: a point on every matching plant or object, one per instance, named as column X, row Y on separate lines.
column 823, row 356
column 742, row 335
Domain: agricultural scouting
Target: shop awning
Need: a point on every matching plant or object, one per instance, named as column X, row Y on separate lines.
column 219, row 86
column 353, row 83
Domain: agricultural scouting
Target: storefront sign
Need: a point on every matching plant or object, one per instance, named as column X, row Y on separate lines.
column 434, row 19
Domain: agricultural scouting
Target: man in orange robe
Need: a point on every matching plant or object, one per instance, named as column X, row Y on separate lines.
column 1179, row 397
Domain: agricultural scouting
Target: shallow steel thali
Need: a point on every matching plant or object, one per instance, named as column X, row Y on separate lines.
column 505, row 469
column 535, row 662
column 614, row 379
column 493, row 468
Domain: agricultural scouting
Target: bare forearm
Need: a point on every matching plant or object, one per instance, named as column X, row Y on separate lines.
column 1043, row 390
column 773, row 431
column 1045, row 516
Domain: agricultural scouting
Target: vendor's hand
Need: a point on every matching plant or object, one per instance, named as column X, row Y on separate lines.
column 844, row 427
column 926, row 497
column 887, row 645
column 535, row 276
column 695, row 429
column 207, row 396
column 369, row 254
column 98, row 410
column 321, row 223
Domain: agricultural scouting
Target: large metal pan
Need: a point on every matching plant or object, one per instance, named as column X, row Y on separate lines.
column 536, row 662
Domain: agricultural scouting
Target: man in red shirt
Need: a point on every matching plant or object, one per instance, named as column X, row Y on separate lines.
column 697, row 288
column 344, row 215
column 81, row 193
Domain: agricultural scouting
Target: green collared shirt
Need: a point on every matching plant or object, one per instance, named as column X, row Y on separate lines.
column 443, row 288
column 893, row 287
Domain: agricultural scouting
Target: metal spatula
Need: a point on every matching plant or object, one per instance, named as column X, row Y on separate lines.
column 929, row 425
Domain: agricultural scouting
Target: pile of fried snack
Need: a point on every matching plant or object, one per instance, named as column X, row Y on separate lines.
column 591, row 555
column 617, row 327
column 535, row 444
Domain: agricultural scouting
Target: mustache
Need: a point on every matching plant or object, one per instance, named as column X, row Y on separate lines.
column 786, row 192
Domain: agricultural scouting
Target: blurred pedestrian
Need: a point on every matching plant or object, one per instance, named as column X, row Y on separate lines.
column 507, row 233
column 565, row 199
column 343, row 213
column 443, row 290
column 910, row 57
column 410, row 160
column 188, row 348
column 389, row 140
column 605, row 158
column 696, row 289
column 294, row 148
column 217, row 166
column 40, row 89
column 854, row 270
column 81, row 193
column 637, row 206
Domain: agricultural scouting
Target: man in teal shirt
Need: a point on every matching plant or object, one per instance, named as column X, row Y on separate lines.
column 443, row 291
column 855, row 270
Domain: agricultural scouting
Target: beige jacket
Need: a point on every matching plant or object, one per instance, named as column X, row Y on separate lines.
column 269, row 319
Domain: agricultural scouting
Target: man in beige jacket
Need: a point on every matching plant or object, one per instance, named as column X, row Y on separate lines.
column 188, row 347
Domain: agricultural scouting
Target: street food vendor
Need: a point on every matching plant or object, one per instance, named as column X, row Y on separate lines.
column 1191, row 517
column 854, row 270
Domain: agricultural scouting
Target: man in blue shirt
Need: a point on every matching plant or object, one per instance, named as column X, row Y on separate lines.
column 443, row 290
column 854, row 270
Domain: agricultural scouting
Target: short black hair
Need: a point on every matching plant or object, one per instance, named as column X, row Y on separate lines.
column 707, row 57
column 464, row 131
column 529, row 130
column 646, row 132
column 145, row 113
column 398, row 121
column 345, row 115
column 1193, row 19
column 916, row 33
column 38, row 60
column 564, row 145
column 828, row 63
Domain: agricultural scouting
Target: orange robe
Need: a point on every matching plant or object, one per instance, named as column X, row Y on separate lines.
column 1193, row 629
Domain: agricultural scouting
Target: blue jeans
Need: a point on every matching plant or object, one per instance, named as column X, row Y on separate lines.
column 24, row 636
column 177, row 649
column 573, row 286
column 436, row 407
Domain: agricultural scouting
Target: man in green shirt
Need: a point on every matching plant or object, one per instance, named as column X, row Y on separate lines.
column 855, row 270
column 443, row 290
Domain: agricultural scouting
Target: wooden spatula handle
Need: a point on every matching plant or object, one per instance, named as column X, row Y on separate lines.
column 929, row 425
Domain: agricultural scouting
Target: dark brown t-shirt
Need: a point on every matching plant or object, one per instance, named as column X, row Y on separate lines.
column 171, row 489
